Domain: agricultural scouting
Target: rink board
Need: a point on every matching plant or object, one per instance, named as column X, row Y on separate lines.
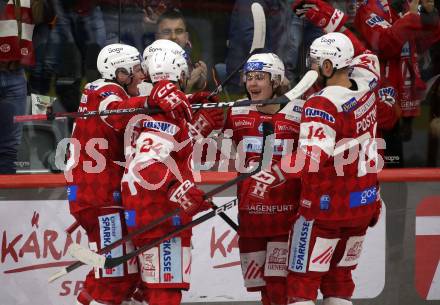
column 398, row 264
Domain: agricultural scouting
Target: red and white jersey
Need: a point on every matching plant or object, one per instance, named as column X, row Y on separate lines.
column 338, row 128
column 397, row 41
column 265, row 210
column 159, row 154
column 94, row 168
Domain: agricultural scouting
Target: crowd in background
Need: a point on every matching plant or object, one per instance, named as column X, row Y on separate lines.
column 60, row 57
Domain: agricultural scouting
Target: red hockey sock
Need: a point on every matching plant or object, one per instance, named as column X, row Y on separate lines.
column 161, row 296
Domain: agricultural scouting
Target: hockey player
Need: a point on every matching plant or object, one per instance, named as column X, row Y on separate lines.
column 266, row 200
column 398, row 38
column 158, row 179
column 95, row 169
column 337, row 160
column 204, row 120
column 329, row 19
column 93, row 190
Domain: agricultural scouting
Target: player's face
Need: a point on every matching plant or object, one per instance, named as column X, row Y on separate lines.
column 174, row 30
column 313, row 64
column 137, row 77
column 259, row 85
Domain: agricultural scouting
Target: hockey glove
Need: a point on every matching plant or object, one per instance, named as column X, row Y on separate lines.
column 167, row 97
column 321, row 14
column 189, row 197
column 206, row 120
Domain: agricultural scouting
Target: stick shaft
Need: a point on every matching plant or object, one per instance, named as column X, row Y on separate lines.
column 112, row 262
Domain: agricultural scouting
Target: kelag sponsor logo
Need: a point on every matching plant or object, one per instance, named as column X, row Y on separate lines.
column 164, row 127
column 300, row 245
column 36, row 248
column 318, row 113
column 367, row 196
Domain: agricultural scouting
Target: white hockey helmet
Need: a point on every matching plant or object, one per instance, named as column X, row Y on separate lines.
column 167, row 65
column 266, row 62
column 335, row 47
column 161, row 45
column 117, row 56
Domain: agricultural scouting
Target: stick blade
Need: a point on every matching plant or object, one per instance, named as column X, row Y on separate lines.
column 57, row 275
column 304, row 84
column 259, row 37
column 86, row 256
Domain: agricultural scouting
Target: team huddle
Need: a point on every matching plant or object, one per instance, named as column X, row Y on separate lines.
column 311, row 203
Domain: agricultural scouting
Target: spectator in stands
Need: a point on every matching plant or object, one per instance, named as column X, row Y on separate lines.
column 171, row 25
column 75, row 41
column 284, row 37
column 40, row 75
column 125, row 23
column 16, row 53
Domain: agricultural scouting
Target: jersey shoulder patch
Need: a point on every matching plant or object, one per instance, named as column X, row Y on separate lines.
column 293, row 110
column 96, row 85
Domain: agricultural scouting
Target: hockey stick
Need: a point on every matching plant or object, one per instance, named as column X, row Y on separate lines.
column 72, row 227
column 119, row 20
column 85, row 114
column 258, row 41
column 267, row 130
column 306, row 82
column 101, row 261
